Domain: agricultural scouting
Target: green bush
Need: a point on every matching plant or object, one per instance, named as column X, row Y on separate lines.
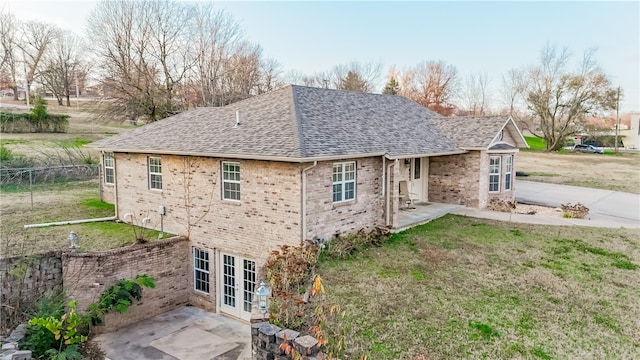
column 38, row 338
column 119, row 297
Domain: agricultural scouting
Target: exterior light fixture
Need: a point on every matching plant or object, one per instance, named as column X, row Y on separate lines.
column 263, row 294
column 73, row 241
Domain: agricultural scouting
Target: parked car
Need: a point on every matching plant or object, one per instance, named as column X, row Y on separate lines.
column 587, row 149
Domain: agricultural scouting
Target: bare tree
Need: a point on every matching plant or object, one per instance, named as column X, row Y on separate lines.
column 366, row 75
column 475, row 95
column 142, row 53
column 36, row 37
column 9, row 26
column 560, row 99
column 217, row 35
column 513, row 87
column 62, row 66
column 432, row 84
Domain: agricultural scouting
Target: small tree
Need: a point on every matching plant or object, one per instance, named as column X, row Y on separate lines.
column 392, row 87
column 352, row 82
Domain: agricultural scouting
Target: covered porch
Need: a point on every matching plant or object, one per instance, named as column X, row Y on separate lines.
column 421, row 212
column 408, row 193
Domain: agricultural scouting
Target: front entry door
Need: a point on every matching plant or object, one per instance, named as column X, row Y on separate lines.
column 417, row 178
column 237, row 285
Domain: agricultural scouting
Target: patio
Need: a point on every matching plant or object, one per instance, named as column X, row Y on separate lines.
column 186, row 333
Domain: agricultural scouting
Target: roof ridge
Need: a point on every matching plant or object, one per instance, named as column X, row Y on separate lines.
column 297, row 121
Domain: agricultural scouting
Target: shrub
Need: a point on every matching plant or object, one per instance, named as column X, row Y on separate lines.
column 289, row 267
column 119, row 297
column 501, row 205
column 67, row 333
column 345, row 246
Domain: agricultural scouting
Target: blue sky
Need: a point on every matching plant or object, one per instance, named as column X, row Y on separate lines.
column 489, row 37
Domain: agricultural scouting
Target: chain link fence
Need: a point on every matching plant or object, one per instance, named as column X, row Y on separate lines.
column 25, row 179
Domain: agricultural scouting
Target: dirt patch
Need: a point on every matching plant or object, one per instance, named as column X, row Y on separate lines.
column 611, row 172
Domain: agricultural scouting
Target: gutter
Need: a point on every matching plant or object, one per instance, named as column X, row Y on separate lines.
column 304, row 200
column 278, row 158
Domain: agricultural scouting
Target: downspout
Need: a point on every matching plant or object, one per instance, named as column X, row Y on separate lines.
column 83, row 221
column 388, row 194
column 304, row 200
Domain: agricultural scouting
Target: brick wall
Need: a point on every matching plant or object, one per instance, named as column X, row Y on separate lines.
column 267, row 216
column 24, row 279
column 87, row 275
column 456, row 179
column 325, row 219
column 107, row 191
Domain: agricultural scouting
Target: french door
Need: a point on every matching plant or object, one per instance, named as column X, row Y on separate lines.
column 237, row 285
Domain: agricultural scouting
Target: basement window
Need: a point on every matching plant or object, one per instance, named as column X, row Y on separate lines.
column 201, row 270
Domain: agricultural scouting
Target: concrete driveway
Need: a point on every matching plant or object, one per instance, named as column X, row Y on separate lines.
column 186, row 333
column 610, row 206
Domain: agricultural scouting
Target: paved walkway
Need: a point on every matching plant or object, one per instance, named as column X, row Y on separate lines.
column 612, row 209
column 186, row 333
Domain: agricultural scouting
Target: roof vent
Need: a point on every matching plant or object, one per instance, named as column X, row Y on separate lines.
column 237, row 125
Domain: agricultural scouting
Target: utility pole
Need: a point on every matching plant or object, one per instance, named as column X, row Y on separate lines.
column 617, row 117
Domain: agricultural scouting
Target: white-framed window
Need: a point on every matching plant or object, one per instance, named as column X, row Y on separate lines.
column 201, row 270
column 508, row 169
column 231, row 181
column 494, row 173
column 155, row 173
column 109, row 168
column 344, row 181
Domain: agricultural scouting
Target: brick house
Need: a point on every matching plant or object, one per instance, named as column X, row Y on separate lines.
column 297, row 163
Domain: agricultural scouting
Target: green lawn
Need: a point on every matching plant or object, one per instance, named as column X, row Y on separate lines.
column 535, row 143
column 460, row 288
column 72, row 200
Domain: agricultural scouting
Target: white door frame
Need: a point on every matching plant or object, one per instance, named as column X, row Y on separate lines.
column 240, row 276
column 418, row 184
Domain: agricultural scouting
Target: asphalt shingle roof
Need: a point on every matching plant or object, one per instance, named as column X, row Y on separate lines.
column 472, row 131
column 295, row 122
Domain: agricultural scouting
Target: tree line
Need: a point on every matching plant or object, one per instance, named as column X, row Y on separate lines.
column 153, row 59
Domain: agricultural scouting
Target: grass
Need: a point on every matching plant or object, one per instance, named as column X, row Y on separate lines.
column 73, row 143
column 618, row 173
column 60, row 202
column 535, row 143
column 467, row 289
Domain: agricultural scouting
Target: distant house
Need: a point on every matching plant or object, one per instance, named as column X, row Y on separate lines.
column 293, row 164
column 631, row 137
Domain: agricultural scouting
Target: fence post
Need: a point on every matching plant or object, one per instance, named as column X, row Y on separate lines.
column 31, row 186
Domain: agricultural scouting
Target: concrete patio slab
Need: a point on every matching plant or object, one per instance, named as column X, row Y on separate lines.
column 184, row 333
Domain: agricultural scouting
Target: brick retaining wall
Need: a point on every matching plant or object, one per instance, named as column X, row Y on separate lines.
column 87, row 275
